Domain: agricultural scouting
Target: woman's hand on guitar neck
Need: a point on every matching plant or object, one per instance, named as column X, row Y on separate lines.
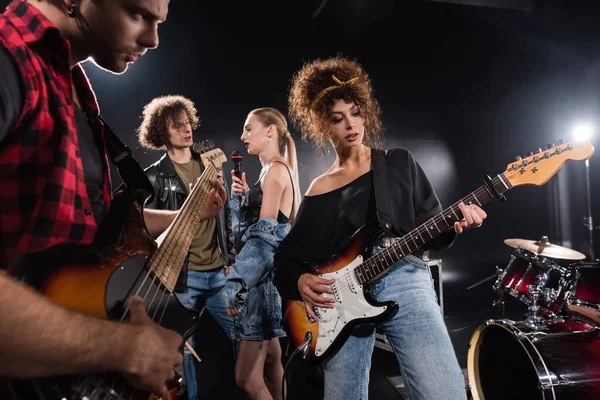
column 311, row 287
column 152, row 353
column 473, row 217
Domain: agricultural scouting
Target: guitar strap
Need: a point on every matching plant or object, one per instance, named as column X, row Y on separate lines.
column 382, row 194
column 383, row 200
column 120, row 155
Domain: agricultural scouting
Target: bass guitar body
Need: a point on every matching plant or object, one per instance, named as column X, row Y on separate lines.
column 98, row 280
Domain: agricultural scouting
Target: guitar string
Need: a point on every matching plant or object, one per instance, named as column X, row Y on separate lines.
column 198, row 199
column 415, row 234
column 367, row 267
column 194, row 199
column 370, row 262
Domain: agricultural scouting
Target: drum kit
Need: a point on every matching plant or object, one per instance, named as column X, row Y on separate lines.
column 554, row 353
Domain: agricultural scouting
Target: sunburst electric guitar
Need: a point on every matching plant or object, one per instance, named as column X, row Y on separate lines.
column 354, row 268
column 123, row 261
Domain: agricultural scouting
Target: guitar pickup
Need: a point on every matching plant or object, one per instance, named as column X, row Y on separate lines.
column 310, row 317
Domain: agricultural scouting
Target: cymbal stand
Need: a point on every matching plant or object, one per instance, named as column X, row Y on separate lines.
column 534, row 320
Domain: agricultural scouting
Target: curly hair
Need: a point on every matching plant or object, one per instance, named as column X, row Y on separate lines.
column 310, row 108
column 153, row 132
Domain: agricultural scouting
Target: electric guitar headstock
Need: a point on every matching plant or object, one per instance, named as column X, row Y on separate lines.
column 211, row 155
column 538, row 168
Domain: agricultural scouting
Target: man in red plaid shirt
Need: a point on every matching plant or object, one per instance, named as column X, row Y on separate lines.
column 56, row 185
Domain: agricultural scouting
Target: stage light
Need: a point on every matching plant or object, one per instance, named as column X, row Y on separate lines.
column 582, row 132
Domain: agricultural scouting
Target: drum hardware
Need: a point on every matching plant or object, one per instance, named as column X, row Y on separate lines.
column 567, row 382
column 484, row 280
column 550, row 294
column 534, row 320
column 499, row 305
column 503, row 321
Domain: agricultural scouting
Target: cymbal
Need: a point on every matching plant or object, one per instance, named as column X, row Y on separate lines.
column 545, row 248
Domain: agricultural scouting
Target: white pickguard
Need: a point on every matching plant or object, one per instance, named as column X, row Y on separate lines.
column 350, row 304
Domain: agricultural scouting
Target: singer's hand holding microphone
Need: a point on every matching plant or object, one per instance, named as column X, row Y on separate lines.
column 238, row 179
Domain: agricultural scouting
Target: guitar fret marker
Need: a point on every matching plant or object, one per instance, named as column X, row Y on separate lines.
column 414, row 241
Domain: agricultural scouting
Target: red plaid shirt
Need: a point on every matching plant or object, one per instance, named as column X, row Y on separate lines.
column 43, row 197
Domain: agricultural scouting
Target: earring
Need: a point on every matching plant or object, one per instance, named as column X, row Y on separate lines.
column 72, row 8
column 268, row 139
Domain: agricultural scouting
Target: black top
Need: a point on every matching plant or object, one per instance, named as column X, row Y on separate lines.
column 326, row 220
column 12, row 96
column 255, row 197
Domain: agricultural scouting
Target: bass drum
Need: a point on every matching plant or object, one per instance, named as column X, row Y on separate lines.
column 507, row 361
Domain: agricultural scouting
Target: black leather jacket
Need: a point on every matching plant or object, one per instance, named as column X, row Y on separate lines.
column 170, row 193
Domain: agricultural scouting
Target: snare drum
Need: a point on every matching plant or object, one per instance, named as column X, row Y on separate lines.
column 509, row 361
column 583, row 300
column 525, row 269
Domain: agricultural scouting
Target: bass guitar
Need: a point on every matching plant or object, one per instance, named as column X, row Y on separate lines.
column 123, row 261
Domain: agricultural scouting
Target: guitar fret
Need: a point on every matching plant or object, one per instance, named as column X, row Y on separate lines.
column 476, row 199
column 423, row 240
column 393, row 247
column 456, row 215
column 391, row 259
column 407, row 246
column 430, row 235
column 389, row 254
column 502, row 181
column 436, row 225
column 383, row 265
column 444, row 218
column 363, row 273
column 373, row 267
column 416, row 245
column 358, row 275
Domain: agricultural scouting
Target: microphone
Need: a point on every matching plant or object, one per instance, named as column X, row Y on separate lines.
column 237, row 158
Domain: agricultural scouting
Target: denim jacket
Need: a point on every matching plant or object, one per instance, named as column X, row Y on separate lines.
column 254, row 262
column 239, row 220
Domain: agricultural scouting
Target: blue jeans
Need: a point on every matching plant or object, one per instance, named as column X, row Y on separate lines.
column 417, row 334
column 209, row 284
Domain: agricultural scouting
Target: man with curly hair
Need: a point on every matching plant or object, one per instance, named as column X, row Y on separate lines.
column 168, row 122
column 332, row 101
